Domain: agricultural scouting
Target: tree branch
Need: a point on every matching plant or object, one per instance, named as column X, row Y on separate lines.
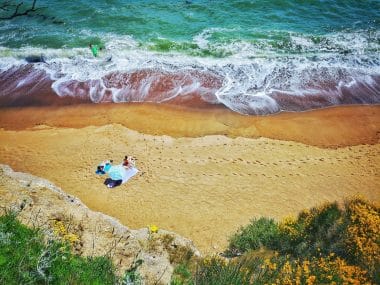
column 16, row 13
column 5, row 6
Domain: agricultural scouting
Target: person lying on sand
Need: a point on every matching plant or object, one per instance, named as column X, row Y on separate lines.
column 104, row 167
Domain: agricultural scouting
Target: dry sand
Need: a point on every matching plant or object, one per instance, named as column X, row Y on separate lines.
column 193, row 179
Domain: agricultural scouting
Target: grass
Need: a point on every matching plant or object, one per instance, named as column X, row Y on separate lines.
column 26, row 257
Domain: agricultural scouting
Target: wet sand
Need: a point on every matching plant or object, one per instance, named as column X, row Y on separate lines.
column 203, row 173
column 330, row 127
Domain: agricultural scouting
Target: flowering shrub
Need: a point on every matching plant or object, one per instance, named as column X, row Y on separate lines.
column 318, row 230
column 61, row 231
column 324, row 245
column 279, row 270
column 363, row 235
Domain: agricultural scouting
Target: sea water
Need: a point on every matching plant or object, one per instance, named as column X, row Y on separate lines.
column 254, row 57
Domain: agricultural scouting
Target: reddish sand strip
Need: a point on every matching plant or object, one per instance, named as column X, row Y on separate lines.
column 331, row 127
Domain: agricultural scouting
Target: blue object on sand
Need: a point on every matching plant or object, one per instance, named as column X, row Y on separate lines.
column 119, row 172
column 103, row 168
column 107, row 167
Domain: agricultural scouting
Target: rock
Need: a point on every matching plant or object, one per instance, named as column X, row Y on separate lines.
column 40, row 203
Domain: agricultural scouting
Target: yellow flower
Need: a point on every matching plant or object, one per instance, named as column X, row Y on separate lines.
column 59, row 228
column 71, row 237
column 153, row 229
column 310, row 280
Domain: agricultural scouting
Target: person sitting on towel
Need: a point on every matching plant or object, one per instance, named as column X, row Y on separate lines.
column 128, row 161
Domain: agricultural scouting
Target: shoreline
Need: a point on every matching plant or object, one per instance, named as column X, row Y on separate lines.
column 332, row 127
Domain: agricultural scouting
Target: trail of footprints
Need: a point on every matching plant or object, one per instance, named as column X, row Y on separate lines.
column 257, row 167
column 170, row 164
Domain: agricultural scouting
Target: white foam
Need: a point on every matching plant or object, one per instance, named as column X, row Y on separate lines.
column 250, row 74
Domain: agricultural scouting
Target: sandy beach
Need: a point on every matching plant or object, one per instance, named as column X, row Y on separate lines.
column 202, row 173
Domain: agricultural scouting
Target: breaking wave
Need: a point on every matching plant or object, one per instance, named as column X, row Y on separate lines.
column 294, row 72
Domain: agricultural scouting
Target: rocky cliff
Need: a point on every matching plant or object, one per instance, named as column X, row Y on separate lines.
column 42, row 204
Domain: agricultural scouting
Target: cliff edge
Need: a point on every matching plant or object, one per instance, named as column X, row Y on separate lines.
column 41, row 204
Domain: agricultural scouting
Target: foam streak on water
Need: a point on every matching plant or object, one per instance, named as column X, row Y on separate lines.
column 290, row 56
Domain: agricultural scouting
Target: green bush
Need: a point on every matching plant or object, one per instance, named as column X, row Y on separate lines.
column 362, row 239
column 25, row 258
column 259, row 233
column 217, row 271
column 182, row 275
column 278, row 270
column 319, row 230
column 351, row 234
column 315, row 231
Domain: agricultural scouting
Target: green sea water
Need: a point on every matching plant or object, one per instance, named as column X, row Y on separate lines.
column 198, row 27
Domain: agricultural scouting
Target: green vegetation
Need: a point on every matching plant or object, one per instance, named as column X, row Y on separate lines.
column 27, row 258
column 260, row 233
column 182, row 275
column 328, row 244
column 279, row 270
column 319, row 230
column 324, row 245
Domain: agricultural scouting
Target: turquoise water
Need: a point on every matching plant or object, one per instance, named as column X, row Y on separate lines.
column 176, row 26
column 256, row 53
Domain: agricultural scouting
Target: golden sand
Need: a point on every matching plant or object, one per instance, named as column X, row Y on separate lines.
column 193, row 179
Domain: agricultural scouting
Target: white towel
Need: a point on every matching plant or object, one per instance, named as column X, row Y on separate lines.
column 128, row 173
column 118, row 172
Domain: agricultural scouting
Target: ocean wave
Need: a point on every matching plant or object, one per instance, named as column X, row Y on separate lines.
column 277, row 72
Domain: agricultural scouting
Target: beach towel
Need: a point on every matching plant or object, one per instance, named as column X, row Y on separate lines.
column 119, row 172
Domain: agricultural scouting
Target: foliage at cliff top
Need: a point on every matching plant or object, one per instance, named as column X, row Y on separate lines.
column 28, row 256
column 327, row 244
